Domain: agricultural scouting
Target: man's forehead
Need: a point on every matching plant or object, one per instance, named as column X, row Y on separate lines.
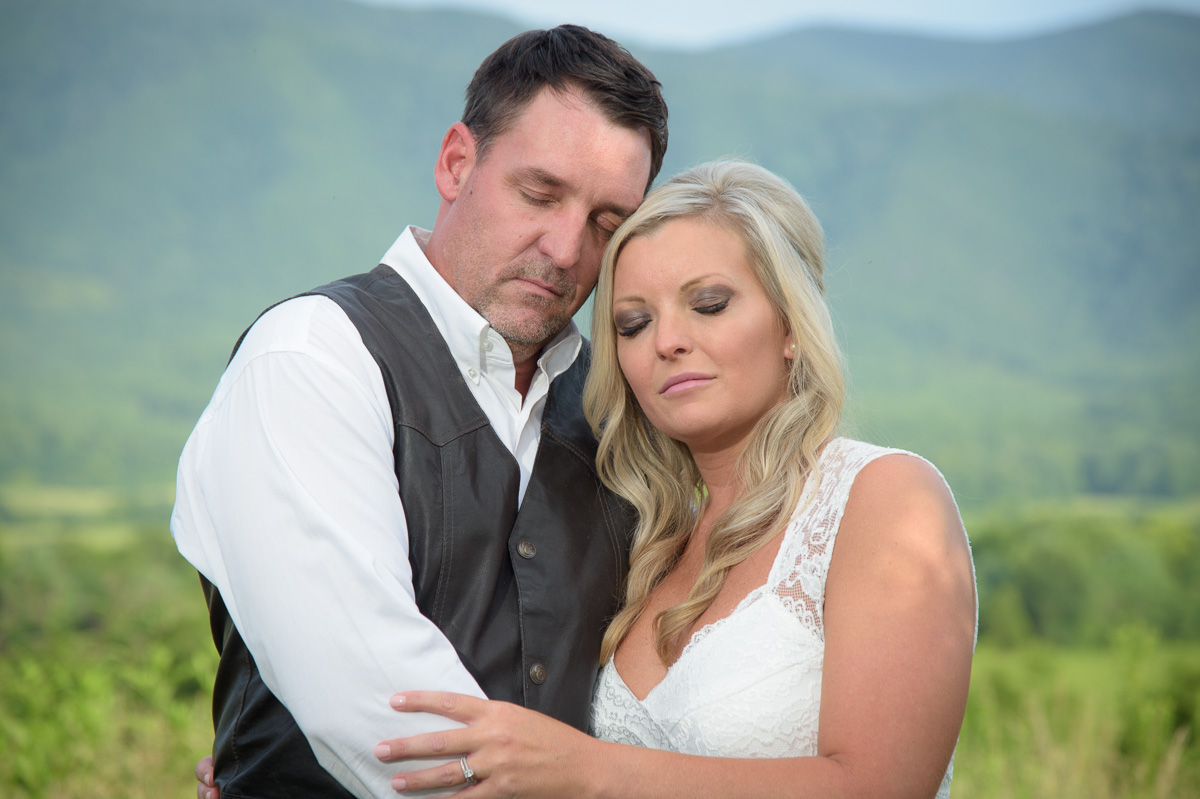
column 569, row 108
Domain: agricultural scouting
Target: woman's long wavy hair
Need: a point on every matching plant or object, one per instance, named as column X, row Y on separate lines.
column 657, row 474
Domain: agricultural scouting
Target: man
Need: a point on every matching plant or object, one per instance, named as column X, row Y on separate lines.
column 393, row 486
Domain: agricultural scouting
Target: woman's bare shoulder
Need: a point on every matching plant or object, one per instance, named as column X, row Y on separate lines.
column 901, row 518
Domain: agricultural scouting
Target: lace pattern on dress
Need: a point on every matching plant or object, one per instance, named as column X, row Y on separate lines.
column 749, row 685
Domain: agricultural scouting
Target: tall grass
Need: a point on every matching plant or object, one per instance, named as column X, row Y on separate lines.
column 106, row 668
column 106, row 665
column 1112, row 723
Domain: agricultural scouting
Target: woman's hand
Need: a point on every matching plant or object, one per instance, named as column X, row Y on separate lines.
column 510, row 750
column 205, row 789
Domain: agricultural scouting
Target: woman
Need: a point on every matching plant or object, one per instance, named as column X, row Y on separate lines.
column 797, row 667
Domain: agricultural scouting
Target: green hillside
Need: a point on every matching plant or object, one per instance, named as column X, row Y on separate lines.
column 1012, row 225
column 1135, row 70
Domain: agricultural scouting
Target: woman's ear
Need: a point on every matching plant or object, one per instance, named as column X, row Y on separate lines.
column 454, row 161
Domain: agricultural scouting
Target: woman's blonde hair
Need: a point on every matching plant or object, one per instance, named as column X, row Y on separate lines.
column 656, row 474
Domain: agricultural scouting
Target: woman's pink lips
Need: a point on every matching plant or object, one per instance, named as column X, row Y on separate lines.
column 682, row 382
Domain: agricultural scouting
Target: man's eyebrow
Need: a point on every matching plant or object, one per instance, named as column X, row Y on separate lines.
column 533, row 174
column 619, row 212
column 549, row 180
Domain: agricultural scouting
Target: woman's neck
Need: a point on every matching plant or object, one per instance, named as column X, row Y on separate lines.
column 721, row 480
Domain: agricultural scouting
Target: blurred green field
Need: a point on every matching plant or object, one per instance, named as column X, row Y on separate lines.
column 106, row 664
column 106, row 661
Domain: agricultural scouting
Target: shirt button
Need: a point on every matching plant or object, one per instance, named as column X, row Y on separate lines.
column 487, row 345
column 473, row 373
column 537, row 673
column 526, row 549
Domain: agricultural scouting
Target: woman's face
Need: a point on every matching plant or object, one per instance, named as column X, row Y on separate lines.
column 697, row 338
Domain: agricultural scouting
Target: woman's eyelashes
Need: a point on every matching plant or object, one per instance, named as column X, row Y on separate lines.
column 630, row 325
column 709, row 304
column 711, row 299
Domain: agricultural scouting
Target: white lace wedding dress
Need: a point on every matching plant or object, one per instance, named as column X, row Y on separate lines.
column 749, row 685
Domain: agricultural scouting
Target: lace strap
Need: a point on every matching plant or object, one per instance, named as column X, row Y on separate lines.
column 798, row 575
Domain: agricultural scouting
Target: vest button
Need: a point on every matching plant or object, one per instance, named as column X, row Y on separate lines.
column 527, row 550
column 537, row 673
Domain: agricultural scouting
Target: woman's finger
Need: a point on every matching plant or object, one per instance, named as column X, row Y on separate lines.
column 459, row 707
column 446, row 776
column 445, row 743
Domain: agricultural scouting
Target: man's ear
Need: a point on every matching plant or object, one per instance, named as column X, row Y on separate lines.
column 454, row 161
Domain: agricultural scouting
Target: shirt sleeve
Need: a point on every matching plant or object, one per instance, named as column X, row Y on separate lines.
column 287, row 502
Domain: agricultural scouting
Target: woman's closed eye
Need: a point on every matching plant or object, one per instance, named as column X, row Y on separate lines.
column 630, row 325
column 710, row 307
column 711, row 299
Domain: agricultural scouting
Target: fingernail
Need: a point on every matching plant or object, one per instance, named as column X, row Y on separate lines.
column 399, row 784
column 383, row 751
column 208, row 782
column 397, row 701
column 208, row 795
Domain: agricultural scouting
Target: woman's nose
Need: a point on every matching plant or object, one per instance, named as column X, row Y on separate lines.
column 671, row 338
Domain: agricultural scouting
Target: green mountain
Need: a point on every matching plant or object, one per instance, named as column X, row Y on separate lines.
column 1012, row 225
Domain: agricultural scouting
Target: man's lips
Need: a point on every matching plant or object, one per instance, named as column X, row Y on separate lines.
column 683, row 381
column 542, row 287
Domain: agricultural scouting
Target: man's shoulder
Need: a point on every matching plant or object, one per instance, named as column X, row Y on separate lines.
column 307, row 324
column 304, row 344
column 302, row 333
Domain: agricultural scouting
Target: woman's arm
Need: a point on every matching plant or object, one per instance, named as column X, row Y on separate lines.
column 899, row 629
column 899, row 633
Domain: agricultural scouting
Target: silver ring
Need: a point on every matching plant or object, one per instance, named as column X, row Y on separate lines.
column 468, row 772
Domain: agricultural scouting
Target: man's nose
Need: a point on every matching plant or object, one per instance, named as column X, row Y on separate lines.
column 563, row 242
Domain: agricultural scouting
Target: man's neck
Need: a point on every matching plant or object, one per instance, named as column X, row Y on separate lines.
column 524, row 368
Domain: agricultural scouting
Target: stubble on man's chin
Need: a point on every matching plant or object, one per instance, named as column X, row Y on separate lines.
column 525, row 337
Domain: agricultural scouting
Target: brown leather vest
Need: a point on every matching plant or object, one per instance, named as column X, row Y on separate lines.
column 522, row 594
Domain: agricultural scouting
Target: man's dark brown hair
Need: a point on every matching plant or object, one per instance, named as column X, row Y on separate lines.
column 562, row 58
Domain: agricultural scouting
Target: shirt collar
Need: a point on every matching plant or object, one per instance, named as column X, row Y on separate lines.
column 475, row 345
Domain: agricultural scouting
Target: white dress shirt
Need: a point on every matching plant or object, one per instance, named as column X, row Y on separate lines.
column 287, row 502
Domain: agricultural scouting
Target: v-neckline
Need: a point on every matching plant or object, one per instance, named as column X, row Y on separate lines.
column 806, row 498
column 698, row 636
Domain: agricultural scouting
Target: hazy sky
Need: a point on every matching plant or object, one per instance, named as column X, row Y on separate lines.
column 697, row 23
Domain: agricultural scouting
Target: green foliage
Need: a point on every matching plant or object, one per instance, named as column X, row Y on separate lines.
column 106, row 665
column 1013, row 246
column 106, row 661
column 1094, row 724
column 1072, row 575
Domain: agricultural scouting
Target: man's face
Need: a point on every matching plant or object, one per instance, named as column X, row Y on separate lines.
column 522, row 230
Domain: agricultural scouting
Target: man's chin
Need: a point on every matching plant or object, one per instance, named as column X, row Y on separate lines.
column 530, row 331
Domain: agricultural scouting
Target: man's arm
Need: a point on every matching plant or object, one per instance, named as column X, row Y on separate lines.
column 287, row 502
